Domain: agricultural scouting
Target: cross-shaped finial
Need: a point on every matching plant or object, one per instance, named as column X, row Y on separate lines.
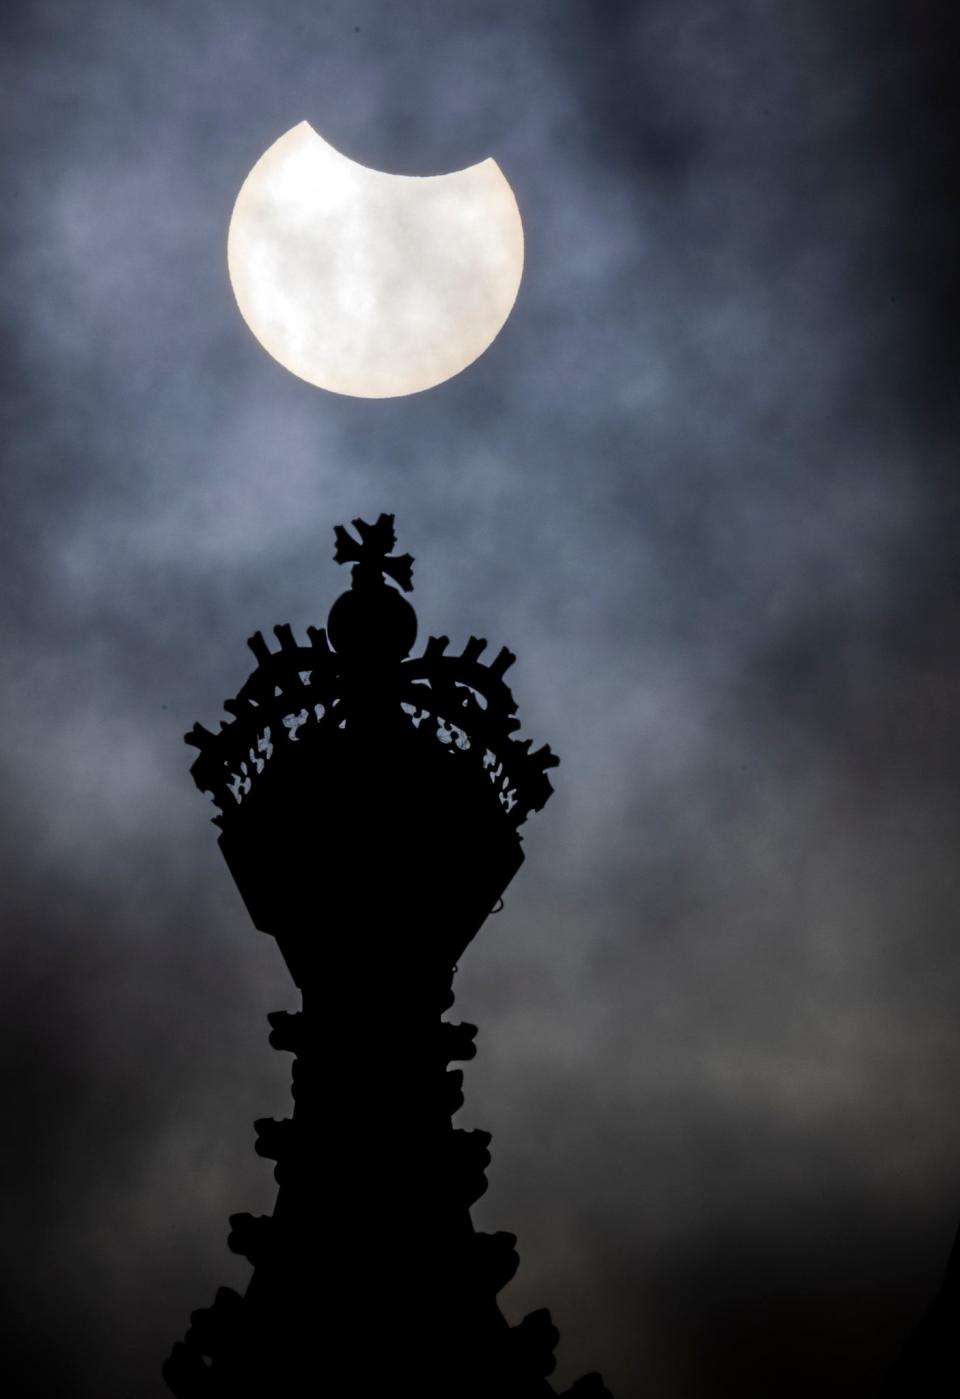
column 370, row 553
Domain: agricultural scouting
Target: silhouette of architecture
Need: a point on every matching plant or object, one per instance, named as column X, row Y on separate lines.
column 369, row 805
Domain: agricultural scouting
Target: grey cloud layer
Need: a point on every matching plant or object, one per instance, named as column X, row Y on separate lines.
column 697, row 484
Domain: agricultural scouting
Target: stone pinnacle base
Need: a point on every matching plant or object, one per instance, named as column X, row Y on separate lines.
column 369, row 1276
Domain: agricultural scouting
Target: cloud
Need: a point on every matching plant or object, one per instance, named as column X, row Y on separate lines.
column 698, row 484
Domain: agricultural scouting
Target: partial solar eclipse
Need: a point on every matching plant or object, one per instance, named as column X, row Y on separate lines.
column 370, row 284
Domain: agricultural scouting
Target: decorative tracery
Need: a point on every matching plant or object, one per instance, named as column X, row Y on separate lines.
column 303, row 694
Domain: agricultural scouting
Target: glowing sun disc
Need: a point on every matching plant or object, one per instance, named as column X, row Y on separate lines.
column 366, row 283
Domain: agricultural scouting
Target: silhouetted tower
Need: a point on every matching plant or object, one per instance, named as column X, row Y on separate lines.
column 369, row 806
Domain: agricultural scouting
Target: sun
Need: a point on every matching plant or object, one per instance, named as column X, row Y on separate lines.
column 370, row 284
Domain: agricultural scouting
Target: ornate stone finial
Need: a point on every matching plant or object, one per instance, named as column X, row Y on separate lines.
column 372, row 622
column 305, row 696
column 370, row 804
column 370, row 553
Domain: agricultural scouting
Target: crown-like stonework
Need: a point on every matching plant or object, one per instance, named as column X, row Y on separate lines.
column 351, row 744
column 300, row 699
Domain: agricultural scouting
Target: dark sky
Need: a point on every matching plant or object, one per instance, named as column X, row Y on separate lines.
column 703, row 483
